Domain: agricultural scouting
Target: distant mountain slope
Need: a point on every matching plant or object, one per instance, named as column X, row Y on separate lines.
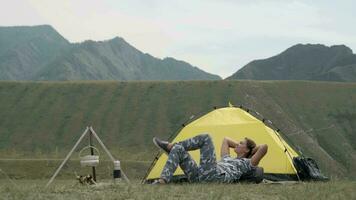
column 40, row 53
column 117, row 60
column 304, row 62
column 25, row 50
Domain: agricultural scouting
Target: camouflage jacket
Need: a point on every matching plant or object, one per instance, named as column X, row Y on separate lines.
column 231, row 169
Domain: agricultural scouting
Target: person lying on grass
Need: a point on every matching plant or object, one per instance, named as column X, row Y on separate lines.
column 228, row 170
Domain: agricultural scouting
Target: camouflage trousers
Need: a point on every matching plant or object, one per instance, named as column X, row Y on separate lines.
column 205, row 172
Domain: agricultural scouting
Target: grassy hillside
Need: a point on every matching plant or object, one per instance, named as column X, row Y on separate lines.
column 45, row 118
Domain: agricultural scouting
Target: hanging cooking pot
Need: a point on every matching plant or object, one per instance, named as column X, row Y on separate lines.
column 89, row 160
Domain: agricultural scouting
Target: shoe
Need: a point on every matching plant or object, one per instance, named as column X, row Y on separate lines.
column 161, row 144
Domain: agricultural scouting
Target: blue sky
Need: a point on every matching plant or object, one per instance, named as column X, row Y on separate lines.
column 218, row 36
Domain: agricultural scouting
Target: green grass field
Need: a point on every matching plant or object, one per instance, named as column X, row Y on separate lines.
column 40, row 121
column 69, row 189
column 44, row 169
column 43, row 119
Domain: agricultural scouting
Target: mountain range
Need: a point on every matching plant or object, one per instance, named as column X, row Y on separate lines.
column 304, row 62
column 41, row 53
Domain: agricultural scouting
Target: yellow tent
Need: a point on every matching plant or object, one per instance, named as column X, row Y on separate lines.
column 237, row 124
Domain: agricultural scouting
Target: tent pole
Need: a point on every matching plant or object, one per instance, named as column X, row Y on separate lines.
column 67, row 157
column 92, row 153
column 169, row 139
column 279, row 137
column 151, row 166
column 286, row 150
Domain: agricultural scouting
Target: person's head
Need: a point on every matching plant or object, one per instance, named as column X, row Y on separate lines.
column 245, row 147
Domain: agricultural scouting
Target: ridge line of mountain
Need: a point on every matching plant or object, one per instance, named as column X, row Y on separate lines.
column 41, row 53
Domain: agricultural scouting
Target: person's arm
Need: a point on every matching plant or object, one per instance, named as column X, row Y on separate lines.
column 258, row 153
column 226, row 145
